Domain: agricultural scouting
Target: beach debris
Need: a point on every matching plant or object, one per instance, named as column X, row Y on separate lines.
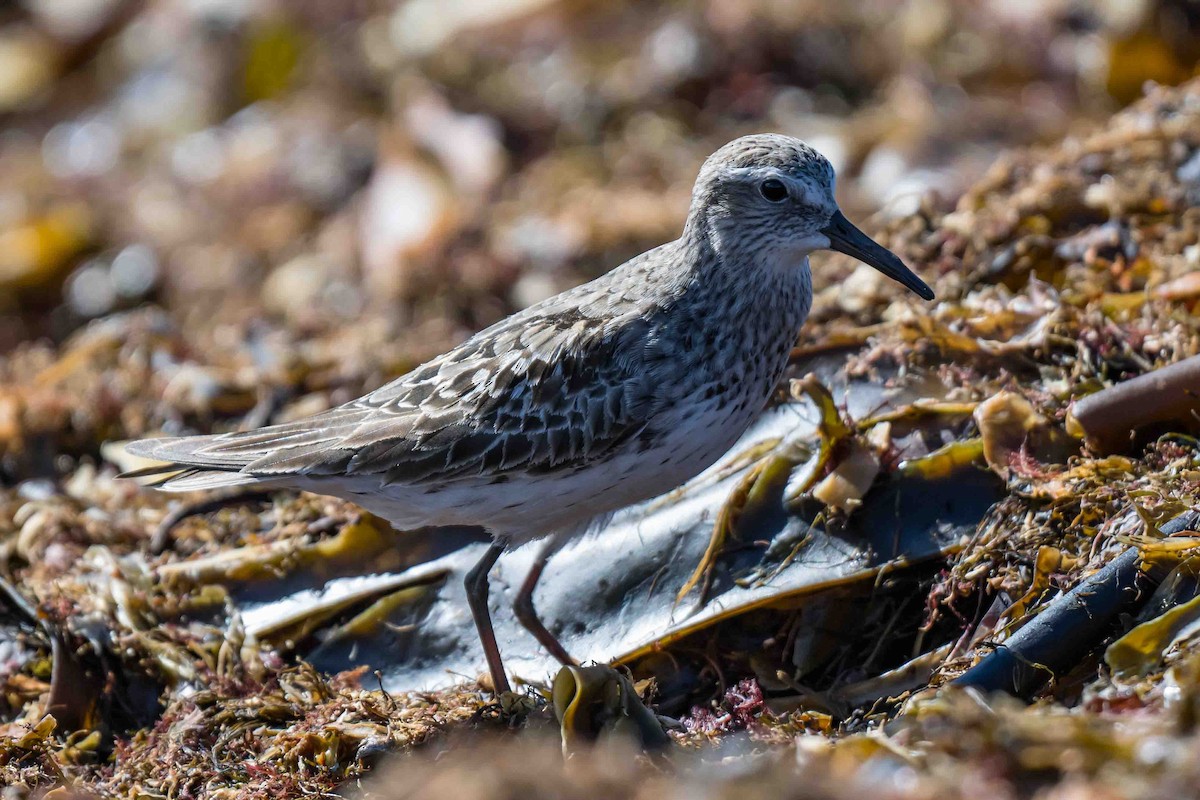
column 1110, row 417
column 593, row 703
column 1059, row 636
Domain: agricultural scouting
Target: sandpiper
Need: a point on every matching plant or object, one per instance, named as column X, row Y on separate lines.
column 609, row 393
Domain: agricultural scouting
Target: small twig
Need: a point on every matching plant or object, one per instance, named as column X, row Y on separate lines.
column 71, row 694
column 161, row 539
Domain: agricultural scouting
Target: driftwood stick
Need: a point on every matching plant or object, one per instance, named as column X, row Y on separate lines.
column 1056, row 640
column 1109, row 417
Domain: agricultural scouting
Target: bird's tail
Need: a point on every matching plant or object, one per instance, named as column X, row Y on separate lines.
column 182, row 466
column 277, row 454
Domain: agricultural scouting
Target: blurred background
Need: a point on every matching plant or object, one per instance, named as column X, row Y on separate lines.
column 319, row 195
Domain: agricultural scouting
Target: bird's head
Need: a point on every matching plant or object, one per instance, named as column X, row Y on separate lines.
column 773, row 195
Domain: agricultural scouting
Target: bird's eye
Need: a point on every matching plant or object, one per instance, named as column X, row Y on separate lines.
column 773, row 189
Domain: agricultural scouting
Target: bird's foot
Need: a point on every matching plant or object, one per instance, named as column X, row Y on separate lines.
column 515, row 706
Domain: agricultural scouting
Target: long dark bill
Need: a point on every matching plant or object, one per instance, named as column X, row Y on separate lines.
column 845, row 238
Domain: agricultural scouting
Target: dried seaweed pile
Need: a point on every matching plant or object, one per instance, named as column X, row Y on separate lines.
column 282, row 286
column 1053, row 289
column 1072, row 268
column 960, row 749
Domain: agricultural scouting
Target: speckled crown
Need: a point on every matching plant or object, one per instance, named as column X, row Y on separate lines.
column 770, row 150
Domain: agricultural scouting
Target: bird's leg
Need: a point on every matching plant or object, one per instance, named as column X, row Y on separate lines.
column 527, row 615
column 477, row 597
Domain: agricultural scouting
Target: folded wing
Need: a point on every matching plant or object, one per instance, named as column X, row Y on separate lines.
column 538, row 392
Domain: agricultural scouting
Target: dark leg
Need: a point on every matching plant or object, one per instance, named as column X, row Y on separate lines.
column 477, row 597
column 527, row 615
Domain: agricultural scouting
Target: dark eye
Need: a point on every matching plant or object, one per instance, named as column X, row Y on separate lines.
column 773, row 190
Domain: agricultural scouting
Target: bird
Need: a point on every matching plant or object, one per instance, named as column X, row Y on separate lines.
column 607, row 394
